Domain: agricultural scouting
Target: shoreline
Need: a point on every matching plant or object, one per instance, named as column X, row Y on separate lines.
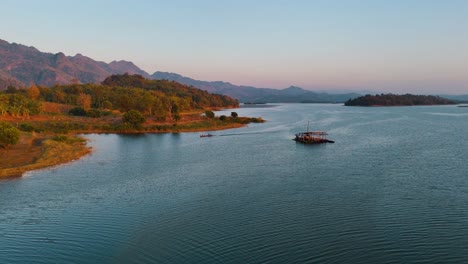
column 42, row 151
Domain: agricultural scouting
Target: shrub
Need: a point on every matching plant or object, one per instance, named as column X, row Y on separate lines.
column 223, row 118
column 134, row 118
column 77, row 111
column 26, row 127
column 94, row 113
column 234, row 114
column 107, row 105
column 209, row 114
column 256, row 120
column 60, row 138
column 9, row 135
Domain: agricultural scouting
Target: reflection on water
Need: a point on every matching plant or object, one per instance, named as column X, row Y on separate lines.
column 392, row 189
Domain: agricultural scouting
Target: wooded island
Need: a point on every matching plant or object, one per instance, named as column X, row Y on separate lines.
column 398, row 100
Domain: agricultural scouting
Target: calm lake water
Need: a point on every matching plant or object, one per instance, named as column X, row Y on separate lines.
column 392, row 189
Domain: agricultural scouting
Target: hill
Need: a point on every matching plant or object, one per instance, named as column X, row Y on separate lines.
column 21, row 66
column 159, row 101
column 398, row 100
column 292, row 94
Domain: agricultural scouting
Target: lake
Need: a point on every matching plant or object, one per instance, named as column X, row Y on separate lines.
column 392, row 189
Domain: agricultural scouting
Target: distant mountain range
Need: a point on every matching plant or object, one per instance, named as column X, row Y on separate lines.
column 21, row 66
column 292, row 94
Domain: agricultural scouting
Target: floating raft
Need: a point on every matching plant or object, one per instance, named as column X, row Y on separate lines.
column 312, row 137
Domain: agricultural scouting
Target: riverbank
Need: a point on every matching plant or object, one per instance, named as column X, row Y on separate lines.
column 40, row 151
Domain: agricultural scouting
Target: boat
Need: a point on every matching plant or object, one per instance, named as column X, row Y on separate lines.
column 206, row 135
column 312, row 137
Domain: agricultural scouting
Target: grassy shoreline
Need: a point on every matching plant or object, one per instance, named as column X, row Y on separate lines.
column 42, row 150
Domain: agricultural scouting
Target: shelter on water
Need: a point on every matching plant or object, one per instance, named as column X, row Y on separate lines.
column 312, row 137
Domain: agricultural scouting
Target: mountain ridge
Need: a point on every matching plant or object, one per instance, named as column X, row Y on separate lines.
column 292, row 94
column 22, row 66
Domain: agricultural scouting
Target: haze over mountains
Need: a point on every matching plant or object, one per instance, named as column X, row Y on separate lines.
column 291, row 94
column 21, row 66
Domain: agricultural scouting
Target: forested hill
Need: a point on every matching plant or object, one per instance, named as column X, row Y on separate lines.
column 187, row 97
column 153, row 98
column 398, row 100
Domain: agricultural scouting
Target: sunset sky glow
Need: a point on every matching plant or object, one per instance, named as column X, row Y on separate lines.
column 385, row 46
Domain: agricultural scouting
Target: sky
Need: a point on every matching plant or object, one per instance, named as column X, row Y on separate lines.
column 398, row 46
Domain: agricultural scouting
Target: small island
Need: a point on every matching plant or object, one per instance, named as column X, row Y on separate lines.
column 398, row 100
column 40, row 126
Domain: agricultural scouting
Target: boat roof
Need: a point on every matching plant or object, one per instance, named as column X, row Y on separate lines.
column 318, row 133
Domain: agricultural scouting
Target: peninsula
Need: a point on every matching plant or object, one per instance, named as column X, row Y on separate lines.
column 47, row 120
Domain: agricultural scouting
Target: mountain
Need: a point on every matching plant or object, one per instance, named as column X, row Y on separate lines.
column 292, row 94
column 21, row 66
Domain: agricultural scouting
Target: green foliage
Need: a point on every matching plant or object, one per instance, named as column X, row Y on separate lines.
column 60, row 138
column 66, row 139
column 26, row 127
column 209, row 114
column 11, row 90
column 9, row 135
column 176, row 116
column 61, row 127
column 223, row 118
column 106, row 105
column 256, row 120
column 17, row 104
column 123, row 127
column 160, row 99
column 234, row 114
column 94, row 113
column 77, row 111
column 397, row 100
column 126, row 79
column 134, row 118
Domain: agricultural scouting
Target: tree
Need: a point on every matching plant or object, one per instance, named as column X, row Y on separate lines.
column 94, row 113
column 77, row 111
column 209, row 114
column 9, row 135
column 107, row 104
column 134, row 118
column 175, row 111
column 234, row 114
column 33, row 92
column 223, row 118
column 176, row 117
column 84, row 101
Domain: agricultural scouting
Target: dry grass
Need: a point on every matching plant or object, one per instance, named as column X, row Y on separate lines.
column 34, row 153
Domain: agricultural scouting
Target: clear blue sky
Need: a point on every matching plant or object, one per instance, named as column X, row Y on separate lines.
column 389, row 46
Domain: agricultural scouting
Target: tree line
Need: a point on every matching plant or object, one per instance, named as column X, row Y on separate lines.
column 160, row 99
column 398, row 100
